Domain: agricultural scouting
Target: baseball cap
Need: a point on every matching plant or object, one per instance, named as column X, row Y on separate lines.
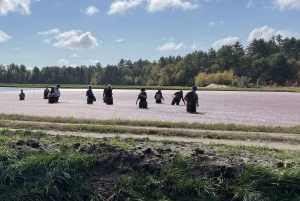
column 194, row 88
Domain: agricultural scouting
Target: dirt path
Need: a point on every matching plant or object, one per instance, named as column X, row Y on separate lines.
column 274, row 145
column 183, row 130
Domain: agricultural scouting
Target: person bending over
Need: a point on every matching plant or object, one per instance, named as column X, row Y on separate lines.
column 177, row 97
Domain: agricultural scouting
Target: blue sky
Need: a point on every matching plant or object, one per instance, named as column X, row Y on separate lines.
column 82, row 32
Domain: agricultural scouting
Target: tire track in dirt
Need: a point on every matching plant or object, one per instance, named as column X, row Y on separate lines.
column 269, row 144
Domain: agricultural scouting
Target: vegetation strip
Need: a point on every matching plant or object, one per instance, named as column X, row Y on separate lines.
column 35, row 166
column 135, row 87
column 148, row 131
column 220, row 127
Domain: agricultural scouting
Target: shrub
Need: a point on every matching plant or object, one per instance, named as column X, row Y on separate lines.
column 226, row 78
column 251, row 85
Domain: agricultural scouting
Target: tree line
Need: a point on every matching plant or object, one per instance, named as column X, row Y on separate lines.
column 276, row 60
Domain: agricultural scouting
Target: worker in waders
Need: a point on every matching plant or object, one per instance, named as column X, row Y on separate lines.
column 104, row 91
column 192, row 100
column 46, row 91
column 177, row 97
column 158, row 96
column 22, row 95
column 90, row 96
column 108, row 95
column 143, row 99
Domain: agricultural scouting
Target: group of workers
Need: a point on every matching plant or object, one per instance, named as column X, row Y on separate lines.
column 53, row 94
column 191, row 97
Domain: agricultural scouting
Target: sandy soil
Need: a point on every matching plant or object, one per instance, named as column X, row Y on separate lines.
column 253, row 108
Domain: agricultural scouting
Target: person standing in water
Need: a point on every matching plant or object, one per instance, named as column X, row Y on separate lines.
column 143, row 99
column 22, row 95
column 46, row 91
column 158, row 96
column 108, row 95
column 192, row 100
column 104, row 91
column 57, row 93
column 90, row 95
column 51, row 95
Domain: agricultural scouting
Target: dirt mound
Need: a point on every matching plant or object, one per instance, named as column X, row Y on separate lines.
column 216, row 86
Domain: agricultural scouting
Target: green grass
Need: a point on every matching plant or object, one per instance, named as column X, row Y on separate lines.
column 218, row 126
column 287, row 156
column 67, row 175
column 77, row 86
column 123, row 130
column 265, row 183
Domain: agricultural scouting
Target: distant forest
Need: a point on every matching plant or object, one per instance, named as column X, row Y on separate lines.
column 274, row 61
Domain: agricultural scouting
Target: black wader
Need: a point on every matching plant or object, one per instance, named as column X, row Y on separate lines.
column 176, row 100
column 90, row 100
column 51, row 100
column 192, row 107
column 109, row 101
column 143, row 104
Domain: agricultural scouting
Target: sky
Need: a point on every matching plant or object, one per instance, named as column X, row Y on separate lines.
column 83, row 32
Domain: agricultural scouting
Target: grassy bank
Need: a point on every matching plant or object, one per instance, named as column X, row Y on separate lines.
column 78, row 86
column 82, row 129
column 35, row 166
column 160, row 124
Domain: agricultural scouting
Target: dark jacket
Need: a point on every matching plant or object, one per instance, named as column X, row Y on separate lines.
column 90, row 94
column 108, row 93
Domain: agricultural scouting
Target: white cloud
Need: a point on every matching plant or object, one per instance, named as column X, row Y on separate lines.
column 4, row 37
column 211, row 24
column 52, row 31
column 195, row 46
column 171, row 46
column 122, row 6
column 63, row 62
column 250, row 4
column 266, row 33
column 91, row 10
column 222, row 22
column 74, row 55
column 72, row 40
column 73, row 65
column 159, row 5
column 47, row 41
column 287, row 4
column 93, row 61
column 225, row 41
column 17, row 48
column 119, row 40
column 21, row 6
column 286, row 33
